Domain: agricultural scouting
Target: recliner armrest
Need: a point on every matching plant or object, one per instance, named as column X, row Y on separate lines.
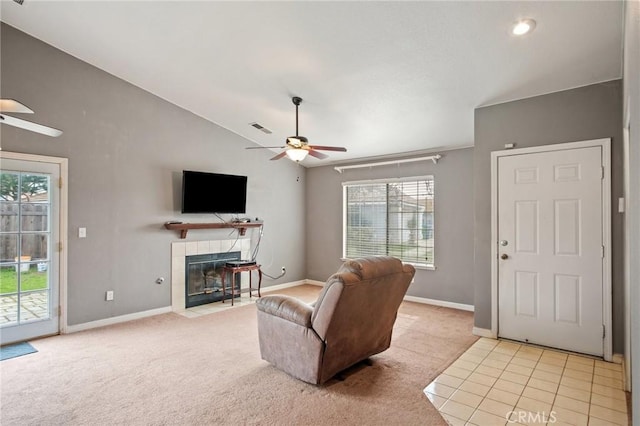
column 286, row 307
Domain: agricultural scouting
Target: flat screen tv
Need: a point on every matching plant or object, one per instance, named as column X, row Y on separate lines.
column 213, row 193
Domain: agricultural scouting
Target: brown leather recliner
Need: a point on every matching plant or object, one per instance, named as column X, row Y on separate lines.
column 351, row 320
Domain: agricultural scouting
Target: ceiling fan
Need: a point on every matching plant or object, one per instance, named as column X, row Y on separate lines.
column 13, row 106
column 297, row 147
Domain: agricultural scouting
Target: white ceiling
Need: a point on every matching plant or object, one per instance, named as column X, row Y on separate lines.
column 379, row 78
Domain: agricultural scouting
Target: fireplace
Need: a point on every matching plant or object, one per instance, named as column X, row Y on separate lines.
column 240, row 248
column 203, row 278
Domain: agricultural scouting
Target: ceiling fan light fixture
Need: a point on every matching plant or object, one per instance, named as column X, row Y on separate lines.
column 297, row 154
column 297, row 147
column 523, row 26
column 11, row 105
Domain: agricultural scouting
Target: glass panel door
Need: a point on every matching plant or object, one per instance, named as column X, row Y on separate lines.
column 28, row 280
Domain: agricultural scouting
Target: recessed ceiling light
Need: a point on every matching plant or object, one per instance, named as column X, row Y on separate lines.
column 523, row 27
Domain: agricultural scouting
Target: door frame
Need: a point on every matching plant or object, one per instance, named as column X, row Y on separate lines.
column 605, row 144
column 626, row 137
column 61, row 245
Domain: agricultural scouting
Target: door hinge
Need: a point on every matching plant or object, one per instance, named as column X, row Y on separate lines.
column 604, row 331
column 602, row 252
column 59, row 310
column 60, row 246
column 601, row 172
column 59, row 182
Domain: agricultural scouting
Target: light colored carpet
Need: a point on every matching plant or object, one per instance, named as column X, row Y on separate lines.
column 172, row 370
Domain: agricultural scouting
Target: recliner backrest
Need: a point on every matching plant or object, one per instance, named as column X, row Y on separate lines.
column 356, row 310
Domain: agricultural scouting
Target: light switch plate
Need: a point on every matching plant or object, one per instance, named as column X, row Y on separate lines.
column 82, row 232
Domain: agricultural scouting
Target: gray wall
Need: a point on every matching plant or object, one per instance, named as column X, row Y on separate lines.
column 631, row 99
column 590, row 112
column 125, row 148
column 452, row 279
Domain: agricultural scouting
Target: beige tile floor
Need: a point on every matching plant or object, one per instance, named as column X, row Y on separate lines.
column 210, row 308
column 497, row 382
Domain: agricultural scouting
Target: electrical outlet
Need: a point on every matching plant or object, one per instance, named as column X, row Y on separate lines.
column 82, row 232
column 109, row 295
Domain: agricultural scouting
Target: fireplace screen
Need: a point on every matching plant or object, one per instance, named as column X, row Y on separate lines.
column 204, row 278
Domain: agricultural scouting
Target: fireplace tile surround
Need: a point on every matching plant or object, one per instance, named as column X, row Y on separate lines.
column 181, row 249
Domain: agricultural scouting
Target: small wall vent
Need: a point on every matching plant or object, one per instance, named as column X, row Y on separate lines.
column 261, row 128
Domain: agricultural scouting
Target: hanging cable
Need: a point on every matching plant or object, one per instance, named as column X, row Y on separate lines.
column 254, row 255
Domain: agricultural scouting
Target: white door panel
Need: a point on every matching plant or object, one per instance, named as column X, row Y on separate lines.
column 550, row 270
column 29, row 259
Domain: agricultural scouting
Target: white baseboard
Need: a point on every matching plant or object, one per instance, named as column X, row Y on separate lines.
column 115, row 320
column 618, row 359
column 483, row 332
column 442, row 303
column 144, row 314
column 284, row 285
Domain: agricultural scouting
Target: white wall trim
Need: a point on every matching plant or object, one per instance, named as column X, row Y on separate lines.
column 116, row 320
column 443, row 303
column 284, row 285
column 505, row 101
column 620, row 359
column 483, row 332
column 494, row 244
column 627, row 253
column 605, row 144
column 144, row 314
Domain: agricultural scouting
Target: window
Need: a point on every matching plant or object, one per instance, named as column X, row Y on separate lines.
column 390, row 217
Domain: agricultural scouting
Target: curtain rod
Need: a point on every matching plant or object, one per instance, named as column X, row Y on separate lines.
column 433, row 158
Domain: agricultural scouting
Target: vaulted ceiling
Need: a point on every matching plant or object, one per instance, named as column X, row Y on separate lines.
column 380, row 78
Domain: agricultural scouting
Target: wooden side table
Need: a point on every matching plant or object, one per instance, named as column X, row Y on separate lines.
column 233, row 270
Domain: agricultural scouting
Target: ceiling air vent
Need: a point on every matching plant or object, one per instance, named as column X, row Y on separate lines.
column 261, row 128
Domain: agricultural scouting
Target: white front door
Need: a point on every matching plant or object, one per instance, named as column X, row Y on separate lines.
column 29, row 257
column 550, row 249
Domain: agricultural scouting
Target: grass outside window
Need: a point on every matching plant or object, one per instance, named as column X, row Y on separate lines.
column 29, row 280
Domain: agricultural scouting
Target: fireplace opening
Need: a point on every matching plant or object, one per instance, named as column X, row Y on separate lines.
column 203, row 278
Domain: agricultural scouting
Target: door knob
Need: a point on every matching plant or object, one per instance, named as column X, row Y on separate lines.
column 504, row 256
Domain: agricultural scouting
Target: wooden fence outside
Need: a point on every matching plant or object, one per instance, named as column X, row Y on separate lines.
column 34, row 218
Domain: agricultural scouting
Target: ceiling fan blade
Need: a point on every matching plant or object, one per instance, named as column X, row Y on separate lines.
column 28, row 125
column 11, row 105
column 328, row 148
column 317, row 154
column 279, row 156
column 265, row 147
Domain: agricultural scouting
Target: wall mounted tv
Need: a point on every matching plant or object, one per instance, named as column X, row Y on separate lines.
column 213, row 193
